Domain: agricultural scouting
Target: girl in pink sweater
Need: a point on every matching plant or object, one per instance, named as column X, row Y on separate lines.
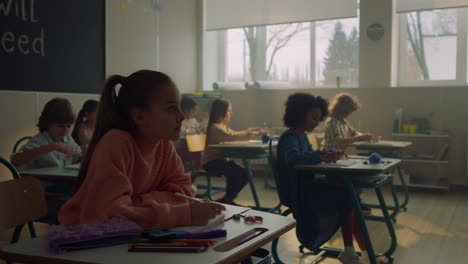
column 131, row 167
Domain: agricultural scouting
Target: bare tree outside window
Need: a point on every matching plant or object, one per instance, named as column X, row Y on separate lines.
column 429, row 31
column 278, row 37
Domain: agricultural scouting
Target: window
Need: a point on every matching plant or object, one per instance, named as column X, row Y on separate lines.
column 432, row 47
column 307, row 54
column 288, row 53
column 237, row 56
column 337, row 52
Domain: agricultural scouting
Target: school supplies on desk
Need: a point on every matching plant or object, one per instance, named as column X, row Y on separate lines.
column 248, row 218
column 216, row 222
column 250, row 237
column 113, row 231
column 174, row 241
column 157, row 248
column 161, row 236
column 339, row 163
column 156, row 235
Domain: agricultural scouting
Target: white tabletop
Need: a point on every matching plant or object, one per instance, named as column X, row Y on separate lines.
column 31, row 251
column 383, row 144
column 359, row 165
column 52, row 173
column 245, row 144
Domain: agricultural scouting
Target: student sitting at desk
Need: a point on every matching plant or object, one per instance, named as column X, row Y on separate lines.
column 189, row 108
column 53, row 145
column 319, row 209
column 131, row 167
column 339, row 134
column 214, row 161
column 85, row 122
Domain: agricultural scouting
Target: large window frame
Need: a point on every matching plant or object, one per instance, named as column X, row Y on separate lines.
column 461, row 55
column 261, row 54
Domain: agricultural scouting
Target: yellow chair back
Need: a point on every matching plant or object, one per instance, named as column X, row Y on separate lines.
column 196, row 142
column 313, row 141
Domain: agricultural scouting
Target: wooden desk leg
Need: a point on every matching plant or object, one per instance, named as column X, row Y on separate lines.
column 360, row 218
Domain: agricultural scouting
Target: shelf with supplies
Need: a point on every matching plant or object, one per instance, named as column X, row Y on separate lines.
column 425, row 163
column 420, row 135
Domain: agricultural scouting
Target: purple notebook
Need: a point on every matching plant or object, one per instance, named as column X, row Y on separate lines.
column 113, row 231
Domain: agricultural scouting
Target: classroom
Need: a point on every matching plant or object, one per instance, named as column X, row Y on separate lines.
column 322, row 131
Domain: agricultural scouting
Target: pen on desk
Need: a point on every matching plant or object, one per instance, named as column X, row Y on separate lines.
column 188, row 197
column 256, row 234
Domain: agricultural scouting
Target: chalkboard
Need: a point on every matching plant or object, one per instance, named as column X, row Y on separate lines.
column 52, row 45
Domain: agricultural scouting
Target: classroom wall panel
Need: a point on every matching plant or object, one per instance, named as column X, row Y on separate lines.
column 131, row 37
column 178, row 43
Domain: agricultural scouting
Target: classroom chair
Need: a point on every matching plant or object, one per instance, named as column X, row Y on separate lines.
column 18, row 143
column 18, row 229
column 54, row 201
column 313, row 141
column 196, row 144
column 29, row 204
column 273, row 161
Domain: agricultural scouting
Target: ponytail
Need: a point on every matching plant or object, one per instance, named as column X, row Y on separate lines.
column 136, row 91
column 88, row 107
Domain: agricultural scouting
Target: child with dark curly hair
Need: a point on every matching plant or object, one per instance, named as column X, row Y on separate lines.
column 319, row 209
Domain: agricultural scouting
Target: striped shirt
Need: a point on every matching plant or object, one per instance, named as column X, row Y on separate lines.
column 334, row 131
column 53, row 158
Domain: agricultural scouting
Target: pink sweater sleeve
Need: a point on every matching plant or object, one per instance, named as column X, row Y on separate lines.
column 173, row 180
column 107, row 191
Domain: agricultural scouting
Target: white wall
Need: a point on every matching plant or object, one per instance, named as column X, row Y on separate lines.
column 375, row 57
column 134, row 35
column 131, row 37
column 178, row 42
column 131, row 44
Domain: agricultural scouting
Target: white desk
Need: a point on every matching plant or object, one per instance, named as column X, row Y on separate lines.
column 383, row 144
column 244, row 145
column 32, row 251
column 57, row 173
column 358, row 166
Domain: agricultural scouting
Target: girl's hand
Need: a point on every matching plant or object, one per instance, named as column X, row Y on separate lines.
column 365, row 137
column 202, row 212
column 64, row 148
column 258, row 130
